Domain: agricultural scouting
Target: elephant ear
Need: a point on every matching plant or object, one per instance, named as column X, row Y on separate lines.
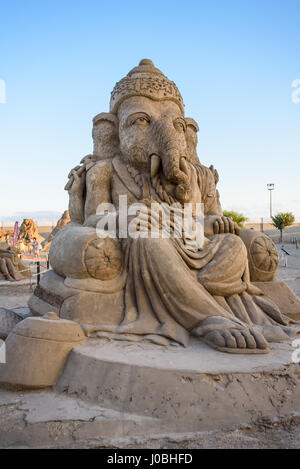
column 191, row 139
column 105, row 136
column 190, row 122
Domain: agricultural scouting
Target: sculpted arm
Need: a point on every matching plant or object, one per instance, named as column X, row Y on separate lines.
column 82, row 250
column 88, row 186
column 75, row 188
column 98, row 187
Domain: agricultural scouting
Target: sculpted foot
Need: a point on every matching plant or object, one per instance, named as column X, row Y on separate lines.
column 231, row 338
column 237, row 341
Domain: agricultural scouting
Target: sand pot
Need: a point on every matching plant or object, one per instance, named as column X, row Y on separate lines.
column 36, row 350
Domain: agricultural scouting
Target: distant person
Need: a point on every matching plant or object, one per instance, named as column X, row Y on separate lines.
column 35, row 247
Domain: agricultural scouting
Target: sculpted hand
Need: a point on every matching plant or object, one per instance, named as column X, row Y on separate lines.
column 79, row 172
column 76, row 182
column 147, row 220
column 75, row 186
column 217, row 224
column 88, row 161
column 226, row 225
column 160, row 219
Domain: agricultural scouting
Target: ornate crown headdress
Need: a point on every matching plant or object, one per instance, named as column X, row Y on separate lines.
column 145, row 80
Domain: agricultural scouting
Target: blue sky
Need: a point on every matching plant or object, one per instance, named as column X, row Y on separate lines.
column 233, row 61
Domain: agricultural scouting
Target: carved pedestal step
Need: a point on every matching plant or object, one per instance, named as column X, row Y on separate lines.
column 193, row 389
column 82, row 306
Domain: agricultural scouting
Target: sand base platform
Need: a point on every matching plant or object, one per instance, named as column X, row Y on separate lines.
column 115, row 393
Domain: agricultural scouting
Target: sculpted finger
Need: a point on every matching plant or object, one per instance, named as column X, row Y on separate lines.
column 144, row 212
column 216, row 227
column 146, row 220
column 151, row 218
column 74, row 169
column 75, row 175
column 81, row 170
column 155, row 215
column 221, row 226
column 226, row 224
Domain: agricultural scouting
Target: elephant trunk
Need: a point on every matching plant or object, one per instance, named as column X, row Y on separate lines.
column 171, row 151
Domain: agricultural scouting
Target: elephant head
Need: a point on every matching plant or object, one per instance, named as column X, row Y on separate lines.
column 152, row 137
column 147, row 127
column 153, row 133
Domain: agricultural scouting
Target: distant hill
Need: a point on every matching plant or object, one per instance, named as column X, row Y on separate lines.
column 40, row 217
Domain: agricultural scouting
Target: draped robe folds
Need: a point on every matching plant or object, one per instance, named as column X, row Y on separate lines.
column 170, row 289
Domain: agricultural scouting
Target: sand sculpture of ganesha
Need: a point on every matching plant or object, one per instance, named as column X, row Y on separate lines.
column 153, row 288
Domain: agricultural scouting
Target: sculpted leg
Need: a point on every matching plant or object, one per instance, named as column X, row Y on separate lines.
column 166, row 276
column 164, row 289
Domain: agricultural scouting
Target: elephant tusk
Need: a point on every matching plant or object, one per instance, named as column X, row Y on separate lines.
column 155, row 163
column 183, row 164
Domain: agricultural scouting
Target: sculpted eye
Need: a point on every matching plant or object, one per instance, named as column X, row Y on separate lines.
column 179, row 125
column 139, row 120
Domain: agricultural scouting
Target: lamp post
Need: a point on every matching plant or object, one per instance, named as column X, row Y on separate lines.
column 270, row 189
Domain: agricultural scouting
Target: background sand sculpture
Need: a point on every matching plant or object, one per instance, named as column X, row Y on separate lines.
column 62, row 222
column 28, row 231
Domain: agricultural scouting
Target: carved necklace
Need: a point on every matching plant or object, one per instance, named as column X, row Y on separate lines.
column 143, row 182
